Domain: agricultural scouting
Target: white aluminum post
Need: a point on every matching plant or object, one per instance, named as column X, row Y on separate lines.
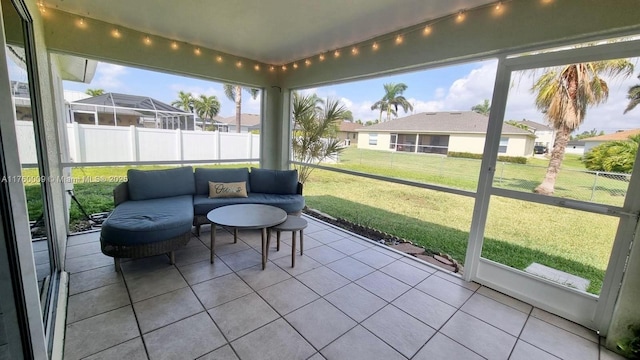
column 487, row 170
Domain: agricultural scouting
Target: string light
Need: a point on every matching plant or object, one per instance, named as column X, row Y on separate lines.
column 116, row 33
column 321, row 57
column 354, row 50
column 41, row 6
column 499, row 6
column 219, row 58
column 239, row 64
column 272, row 68
column 196, row 51
column 147, row 40
column 460, row 17
column 284, row 67
column 174, row 45
column 295, row 65
column 307, row 62
column 256, row 67
column 374, row 46
column 336, row 53
column 427, row 30
column 399, row 39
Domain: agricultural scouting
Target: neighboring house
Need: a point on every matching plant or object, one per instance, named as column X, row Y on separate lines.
column 443, row 132
column 590, row 143
column 545, row 135
column 248, row 122
column 347, row 132
column 575, row 147
column 126, row 110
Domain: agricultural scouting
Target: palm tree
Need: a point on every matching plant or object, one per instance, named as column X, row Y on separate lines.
column 207, row 107
column 392, row 99
column 234, row 93
column 483, row 108
column 633, row 96
column 316, row 125
column 184, row 102
column 94, row 92
column 563, row 94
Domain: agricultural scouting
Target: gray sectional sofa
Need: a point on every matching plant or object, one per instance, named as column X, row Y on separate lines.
column 155, row 210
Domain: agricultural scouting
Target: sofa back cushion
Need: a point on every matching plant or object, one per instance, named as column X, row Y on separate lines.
column 282, row 182
column 153, row 184
column 203, row 176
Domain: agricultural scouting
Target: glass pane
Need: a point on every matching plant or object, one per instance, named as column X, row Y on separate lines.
column 584, row 155
column 569, row 247
column 435, row 134
column 435, row 220
column 136, row 114
column 29, row 159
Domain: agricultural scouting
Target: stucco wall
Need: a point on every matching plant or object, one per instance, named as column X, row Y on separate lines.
column 384, row 139
column 471, row 143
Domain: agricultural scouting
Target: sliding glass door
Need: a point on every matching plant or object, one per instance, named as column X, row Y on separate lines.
column 555, row 232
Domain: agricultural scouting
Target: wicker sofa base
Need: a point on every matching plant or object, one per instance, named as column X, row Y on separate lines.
column 144, row 250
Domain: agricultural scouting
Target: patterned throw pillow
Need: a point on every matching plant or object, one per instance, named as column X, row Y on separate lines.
column 227, row 190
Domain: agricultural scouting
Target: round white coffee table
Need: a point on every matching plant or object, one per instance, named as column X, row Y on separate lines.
column 246, row 216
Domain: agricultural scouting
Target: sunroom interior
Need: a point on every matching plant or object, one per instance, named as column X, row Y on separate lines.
column 284, row 46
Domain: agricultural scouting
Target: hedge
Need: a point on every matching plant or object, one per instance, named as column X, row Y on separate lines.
column 466, row 155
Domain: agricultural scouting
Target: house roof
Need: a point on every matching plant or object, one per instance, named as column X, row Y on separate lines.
column 443, row 122
column 535, row 126
column 245, row 119
column 617, row 136
column 347, row 126
column 133, row 102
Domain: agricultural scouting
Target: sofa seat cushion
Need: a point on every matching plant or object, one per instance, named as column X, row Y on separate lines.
column 289, row 203
column 147, row 221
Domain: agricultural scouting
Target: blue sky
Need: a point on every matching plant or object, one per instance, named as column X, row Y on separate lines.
column 451, row 88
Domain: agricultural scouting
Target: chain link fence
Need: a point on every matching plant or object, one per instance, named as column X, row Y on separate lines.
column 593, row 186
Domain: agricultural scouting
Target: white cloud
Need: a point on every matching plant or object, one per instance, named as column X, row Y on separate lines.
column 471, row 89
column 109, row 77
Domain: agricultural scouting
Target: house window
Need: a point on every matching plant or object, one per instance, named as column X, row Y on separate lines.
column 373, row 139
column 353, row 136
column 393, row 142
column 504, row 141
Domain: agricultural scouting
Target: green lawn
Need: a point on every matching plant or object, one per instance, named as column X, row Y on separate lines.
column 517, row 233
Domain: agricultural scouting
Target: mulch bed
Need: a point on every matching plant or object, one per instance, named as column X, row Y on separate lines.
column 442, row 260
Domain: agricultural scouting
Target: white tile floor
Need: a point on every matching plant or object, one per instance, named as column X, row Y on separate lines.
column 347, row 298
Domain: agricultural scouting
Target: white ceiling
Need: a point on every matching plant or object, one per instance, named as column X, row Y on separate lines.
column 270, row 31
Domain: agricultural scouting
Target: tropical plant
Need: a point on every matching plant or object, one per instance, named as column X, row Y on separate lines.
column 517, row 124
column 634, row 97
column 234, row 93
column 483, row 108
column 315, row 127
column 207, row 107
column 613, row 156
column 94, row 92
column 564, row 94
column 587, row 134
column 391, row 100
column 184, row 102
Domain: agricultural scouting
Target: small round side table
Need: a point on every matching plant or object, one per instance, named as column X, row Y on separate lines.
column 293, row 224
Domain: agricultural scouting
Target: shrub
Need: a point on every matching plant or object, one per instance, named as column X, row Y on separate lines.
column 466, row 155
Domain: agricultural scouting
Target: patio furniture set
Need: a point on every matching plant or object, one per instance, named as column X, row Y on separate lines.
column 155, row 210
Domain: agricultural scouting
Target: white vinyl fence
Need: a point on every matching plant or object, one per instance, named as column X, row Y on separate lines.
column 94, row 143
